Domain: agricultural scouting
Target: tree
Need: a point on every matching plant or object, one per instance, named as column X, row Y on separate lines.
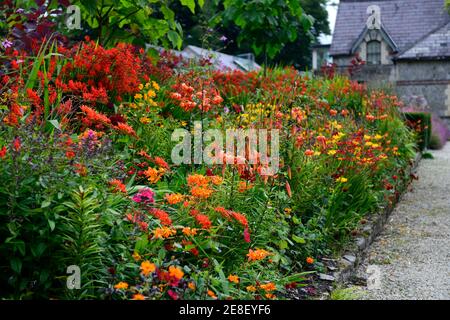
column 136, row 21
column 266, row 25
column 298, row 53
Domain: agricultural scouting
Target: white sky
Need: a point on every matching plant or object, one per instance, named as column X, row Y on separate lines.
column 332, row 12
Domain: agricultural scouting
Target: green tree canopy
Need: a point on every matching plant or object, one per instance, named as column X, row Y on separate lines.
column 136, row 21
column 266, row 25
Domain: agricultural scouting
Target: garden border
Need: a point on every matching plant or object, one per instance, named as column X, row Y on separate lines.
column 352, row 257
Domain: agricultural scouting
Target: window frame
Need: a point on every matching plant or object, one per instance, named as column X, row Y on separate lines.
column 370, row 55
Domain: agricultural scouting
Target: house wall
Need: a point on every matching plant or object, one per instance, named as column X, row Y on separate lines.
column 430, row 79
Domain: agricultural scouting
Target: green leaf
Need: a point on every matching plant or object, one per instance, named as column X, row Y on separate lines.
column 282, row 244
column 141, row 243
column 52, row 225
column 46, row 203
column 175, row 39
column 55, row 123
column 16, row 265
column 38, row 250
column 190, row 4
column 298, row 239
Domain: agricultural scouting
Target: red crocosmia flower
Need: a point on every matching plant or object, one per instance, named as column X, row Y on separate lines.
column 3, row 152
column 14, row 64
column 194, row 212
column 203, row 221
column 125, row 129
column 17, row 144
column 246, row 235
column 194, row 251
column 240, row 218
column 160, row 162
column 162, row 216
column 70, row 154
column 118, row 186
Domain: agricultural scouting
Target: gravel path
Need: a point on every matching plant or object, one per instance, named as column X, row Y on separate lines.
column 413, row 252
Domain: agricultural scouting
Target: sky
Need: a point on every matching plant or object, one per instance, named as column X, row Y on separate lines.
column 332, row 12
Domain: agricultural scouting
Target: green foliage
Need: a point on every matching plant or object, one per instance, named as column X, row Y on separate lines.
column 138, row 22
column 83, row 241
column 37, row 179
column 266, row 25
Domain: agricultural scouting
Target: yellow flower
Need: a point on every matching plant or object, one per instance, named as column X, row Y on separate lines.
column 288, row 211
column 378, row 137
column 141, row 86
column 233, row 278
column 342, row 179
column 121, row 285
column 155, row 86
column 144, row 120
column 136, row 256
column 138, row 96
column 332, row 152
column 251, row 288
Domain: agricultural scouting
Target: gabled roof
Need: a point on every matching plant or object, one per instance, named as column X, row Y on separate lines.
column 385, row 36
column 405, row 21
column 435, row 45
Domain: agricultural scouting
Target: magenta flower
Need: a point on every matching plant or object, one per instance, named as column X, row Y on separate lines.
column 145, row 196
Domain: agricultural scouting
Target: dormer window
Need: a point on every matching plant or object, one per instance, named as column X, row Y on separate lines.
column 373, row 52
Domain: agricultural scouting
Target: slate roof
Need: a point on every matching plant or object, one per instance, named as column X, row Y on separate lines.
column 407, row 22
column 435, row 45
column 221, row 61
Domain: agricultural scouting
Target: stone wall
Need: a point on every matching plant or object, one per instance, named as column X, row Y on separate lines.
column 430, row 79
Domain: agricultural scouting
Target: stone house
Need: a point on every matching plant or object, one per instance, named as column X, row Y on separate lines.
column 405, row 45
